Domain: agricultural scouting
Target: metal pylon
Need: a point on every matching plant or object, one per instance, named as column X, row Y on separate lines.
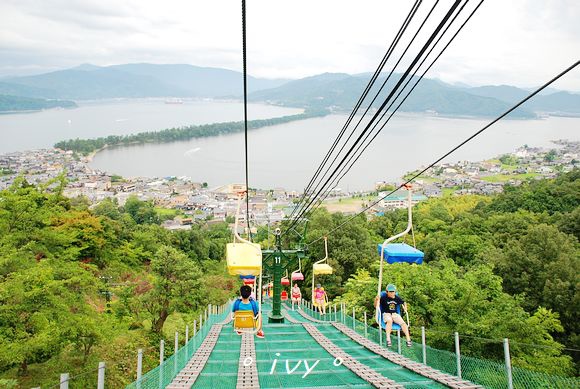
column 276, row 262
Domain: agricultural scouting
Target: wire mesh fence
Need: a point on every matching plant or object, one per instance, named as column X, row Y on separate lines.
column 162, row 375
column 488, row 373
column 84, row 379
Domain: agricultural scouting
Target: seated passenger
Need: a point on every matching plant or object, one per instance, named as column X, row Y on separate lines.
column 320, row 299
column 390, row 303
column 296, row 295
column 247, row 303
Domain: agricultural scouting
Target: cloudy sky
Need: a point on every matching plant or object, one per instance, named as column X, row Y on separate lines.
column 517, row 42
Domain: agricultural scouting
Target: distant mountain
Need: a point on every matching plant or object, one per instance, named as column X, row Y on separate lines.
column 199, row 81
column 16, row 103
column 338, row 91
column 561, row 103
column 558, row 103
column 507, row 93
column 7, row 88
column 134, row 80
column 436, row 96
column 341, row 91
column 95, row 84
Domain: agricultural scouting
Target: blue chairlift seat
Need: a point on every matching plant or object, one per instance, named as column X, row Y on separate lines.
column 401, row 253
column 379, row 318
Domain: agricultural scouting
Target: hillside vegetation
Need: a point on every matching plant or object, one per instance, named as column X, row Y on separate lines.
column 15, row 103
column 82, row 284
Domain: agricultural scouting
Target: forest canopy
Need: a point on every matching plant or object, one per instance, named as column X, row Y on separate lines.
column 80, row 284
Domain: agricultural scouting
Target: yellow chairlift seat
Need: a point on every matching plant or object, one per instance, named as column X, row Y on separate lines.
column 319, row 268
column 244, row 258
column 245, row 321
column 322, row 268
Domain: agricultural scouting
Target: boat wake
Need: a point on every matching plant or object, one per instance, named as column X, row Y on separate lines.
column 189, row 153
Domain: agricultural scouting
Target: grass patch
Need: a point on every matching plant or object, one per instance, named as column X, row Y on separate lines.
column 509, row 168
column 448, row 192
column 168, row 213
column 351, row 200
column 507, row 177
column 163, row 212
column 6, row 172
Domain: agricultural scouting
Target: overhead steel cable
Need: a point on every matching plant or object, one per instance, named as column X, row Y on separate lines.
column 343, row 173
column 376, row 96
column 371, row 82
column 513, row 108
column 344, row 167
column 386, row 101
column 245, row 113
column 364, row 94
column 381, row 108
column 413, row 88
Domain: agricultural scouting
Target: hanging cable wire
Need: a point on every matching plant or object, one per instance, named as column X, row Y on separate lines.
column 342, row 171
column 246, row 115
column 383, row 105
column 369, row 86
column 358, row 153
column 377, row 72
column 381, row 108
column 455, row 148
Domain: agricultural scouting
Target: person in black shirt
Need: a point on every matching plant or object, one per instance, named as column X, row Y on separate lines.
column 389, row 301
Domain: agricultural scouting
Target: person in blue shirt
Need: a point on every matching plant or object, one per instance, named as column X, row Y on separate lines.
column 390, row 303
column 247, row 303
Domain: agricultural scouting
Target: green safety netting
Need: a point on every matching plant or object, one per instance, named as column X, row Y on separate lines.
column 388, row 369
column 488, row 373
column 163, row 374
column 293, row 343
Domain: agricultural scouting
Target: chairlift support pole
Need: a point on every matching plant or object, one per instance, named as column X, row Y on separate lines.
column 275, row 262
column 394, row 237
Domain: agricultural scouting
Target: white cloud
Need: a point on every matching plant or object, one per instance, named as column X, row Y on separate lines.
column 521, row 42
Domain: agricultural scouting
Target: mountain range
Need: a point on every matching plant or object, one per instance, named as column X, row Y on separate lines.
column 338, row 91
column 341, row 91
column 89, row 82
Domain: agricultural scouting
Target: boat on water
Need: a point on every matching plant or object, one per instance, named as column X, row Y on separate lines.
column 173, row 101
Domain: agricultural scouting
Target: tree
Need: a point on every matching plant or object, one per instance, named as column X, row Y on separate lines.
column 559, row 195
column 445, row 297
column 349, row 247
column 192, row 242
column 109, row 208
column 174, row 286
column 544, row 266
column 550, row 155
column 143, row 212
column 508, row 159
column 570, row 223
column 37, row 312
column 81, row 236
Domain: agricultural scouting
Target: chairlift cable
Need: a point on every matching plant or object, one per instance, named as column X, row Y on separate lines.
column 381, row 108
column 571, row 67
column 343, row 173
column 343, row 167
column 245, row 114
column 370, row 84
column 393, row 91
column 379, row 69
